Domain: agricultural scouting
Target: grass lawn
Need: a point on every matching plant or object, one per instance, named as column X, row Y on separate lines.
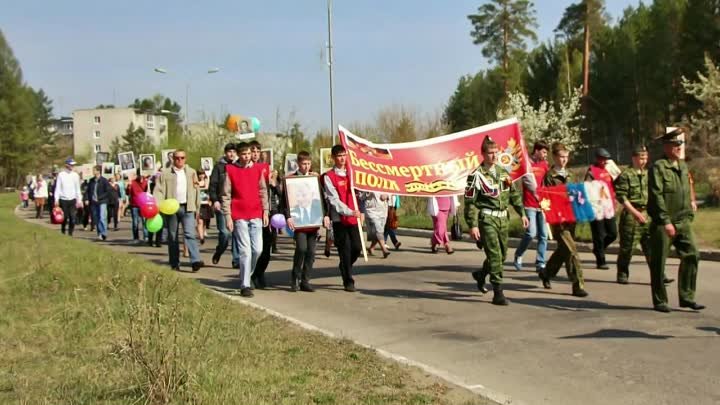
column 706, row 226
column 84, row 325
column 582, row 231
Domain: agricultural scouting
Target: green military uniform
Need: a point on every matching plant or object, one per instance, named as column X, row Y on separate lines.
column 488, row 194
column 566, row 252
column 669, row 202
column 632, row 186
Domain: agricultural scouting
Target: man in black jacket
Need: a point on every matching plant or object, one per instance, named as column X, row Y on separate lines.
column 215, row 191
column 97, row 196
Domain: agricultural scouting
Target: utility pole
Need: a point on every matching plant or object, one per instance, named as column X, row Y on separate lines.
column 333, row 130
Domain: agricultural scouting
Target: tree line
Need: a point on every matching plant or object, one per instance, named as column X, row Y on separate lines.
column 654, row 67
column 26, row 142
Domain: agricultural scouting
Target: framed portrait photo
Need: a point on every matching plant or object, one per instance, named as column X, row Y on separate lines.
column 304, row 201
column 101, row 157
column 206, row 165
column 126, row 160
column 326, row 160
column 147, row 164
column 167, row 157
column 291, row 163
column 108, row 169
column 266, row 156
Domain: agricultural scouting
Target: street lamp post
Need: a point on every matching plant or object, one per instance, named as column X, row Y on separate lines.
column 187, row 91
column 330, row 68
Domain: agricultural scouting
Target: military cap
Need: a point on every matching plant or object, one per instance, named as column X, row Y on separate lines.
column 674, row 137
column 638, row 149
column 602, row 153
column 487, row 142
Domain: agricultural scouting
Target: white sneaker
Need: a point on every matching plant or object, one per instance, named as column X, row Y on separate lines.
column 518, row 263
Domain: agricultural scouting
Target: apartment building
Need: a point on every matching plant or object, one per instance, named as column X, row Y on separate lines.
column 95, row 129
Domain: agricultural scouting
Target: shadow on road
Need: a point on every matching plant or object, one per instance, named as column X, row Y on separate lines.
column 573, row 304
column 619, row 334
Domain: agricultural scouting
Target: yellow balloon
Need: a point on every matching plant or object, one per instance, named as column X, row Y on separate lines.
column 169, row 206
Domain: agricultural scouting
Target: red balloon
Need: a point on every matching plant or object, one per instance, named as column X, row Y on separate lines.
column 57, row 216
column 149, row 210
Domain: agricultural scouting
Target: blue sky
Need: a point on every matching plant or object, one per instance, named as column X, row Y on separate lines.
column 85, row 53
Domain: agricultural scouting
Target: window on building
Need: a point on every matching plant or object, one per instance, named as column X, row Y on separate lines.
column 97, row 119
column 97, row 148
column 149, row 121
column 96, row 134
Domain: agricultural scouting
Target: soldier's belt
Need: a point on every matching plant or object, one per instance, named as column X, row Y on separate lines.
column 493, row 213
column 638, row 207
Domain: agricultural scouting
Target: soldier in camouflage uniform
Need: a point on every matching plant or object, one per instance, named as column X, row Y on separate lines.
column 488, row 193
column 671, row 209
column 631, row 191
column 566, row 252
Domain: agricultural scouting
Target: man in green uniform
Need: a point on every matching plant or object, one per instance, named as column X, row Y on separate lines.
column 566, row 252
column 671, row 210
column 488, row 193
column 631, row 191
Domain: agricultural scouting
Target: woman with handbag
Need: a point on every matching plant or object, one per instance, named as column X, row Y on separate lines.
column 439, row 208
column 392, row 221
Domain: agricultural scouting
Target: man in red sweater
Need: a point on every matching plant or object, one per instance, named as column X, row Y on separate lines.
column 258, row 276
column 531, row 183
column 246, row 208
column 344, row 215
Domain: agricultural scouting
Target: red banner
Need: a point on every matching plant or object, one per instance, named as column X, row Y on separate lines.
column 432, row 167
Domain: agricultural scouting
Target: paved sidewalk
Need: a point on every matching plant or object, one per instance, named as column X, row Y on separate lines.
column 547, row 347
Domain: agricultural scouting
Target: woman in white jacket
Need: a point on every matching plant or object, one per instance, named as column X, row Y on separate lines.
column 40, row 191
column 440, row 208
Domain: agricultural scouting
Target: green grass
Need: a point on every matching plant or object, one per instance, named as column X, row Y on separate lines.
column 84, row 325
column 582, row 231
column 707, row 227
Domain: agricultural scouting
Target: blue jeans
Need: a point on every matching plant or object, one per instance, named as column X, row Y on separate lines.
column 537, row 227
column 225, row 237
column 99, row 217
column 172, row 223
column 138, row 221
column 248, row 238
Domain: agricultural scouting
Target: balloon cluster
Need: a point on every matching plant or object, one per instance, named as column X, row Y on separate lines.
column 151, row 210
column 233, row 123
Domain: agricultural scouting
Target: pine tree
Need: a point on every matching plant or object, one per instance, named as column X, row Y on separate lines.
column 502, row 27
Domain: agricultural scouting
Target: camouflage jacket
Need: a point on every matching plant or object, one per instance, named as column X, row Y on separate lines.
column 632, row 185
column 485, row 190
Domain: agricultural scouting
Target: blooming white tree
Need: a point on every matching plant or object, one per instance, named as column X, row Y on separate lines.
column 551, row 122
column 704, row 124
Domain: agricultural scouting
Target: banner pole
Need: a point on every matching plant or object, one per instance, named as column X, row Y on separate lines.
column 359, row 222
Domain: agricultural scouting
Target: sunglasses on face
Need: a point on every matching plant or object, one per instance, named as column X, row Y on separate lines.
column 179, row 157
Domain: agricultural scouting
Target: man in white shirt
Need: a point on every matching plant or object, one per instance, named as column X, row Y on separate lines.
column 68, row 196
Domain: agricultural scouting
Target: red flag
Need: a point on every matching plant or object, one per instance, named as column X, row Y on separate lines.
column 556, row 205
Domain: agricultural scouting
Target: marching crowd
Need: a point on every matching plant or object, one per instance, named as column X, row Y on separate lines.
column 245, row 195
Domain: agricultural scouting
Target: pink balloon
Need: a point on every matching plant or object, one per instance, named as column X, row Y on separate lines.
column 144, row 198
